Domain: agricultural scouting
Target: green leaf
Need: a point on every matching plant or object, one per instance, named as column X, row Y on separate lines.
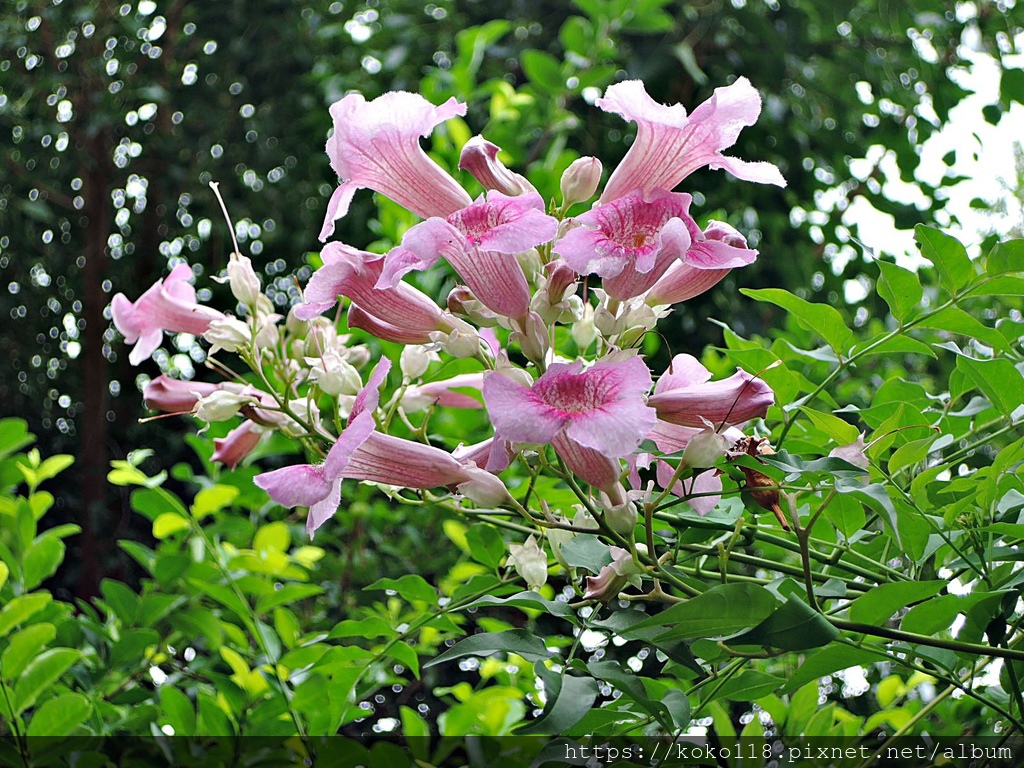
column 530, row 600
column 568, row 700
column 720, row 612
column 748, row 685
column 632, row 687
column 938, row 614
column 43, row 671
column 794, row 626
column 519, row 641
column 289, row 593
column 20, row 609
column 543, row 70
column 823, row 319
column 955, row 320
column 403, row 652
column 370, row 627
column 948, row 255
column 878, row 605
column 411, row 586
column 999, row 379
column 1006, row 257
column 842, row 432
column 826, row 661
column 23, row 647
column 168, row 524
column 485, row 544
column 14, row 436
column 586, row 551
column 130, row 650
column 53, row 466
column 212, row 500
column 177, row 711
column 60, row 716
column 41, row 560
column 900, row 288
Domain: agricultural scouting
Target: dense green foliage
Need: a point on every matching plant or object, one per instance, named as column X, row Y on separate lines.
column 891, row 608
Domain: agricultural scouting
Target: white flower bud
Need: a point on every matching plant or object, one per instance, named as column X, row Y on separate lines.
column 219, row 405
column 229, row 334
column 705, row 448
column 583, row 331
column 530, row 562
column 580, row 180
column 415, row 360
column 242, row 278
column 557, row 538
column 333, row 374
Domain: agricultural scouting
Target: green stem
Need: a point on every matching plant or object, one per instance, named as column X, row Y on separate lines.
column 934, row 642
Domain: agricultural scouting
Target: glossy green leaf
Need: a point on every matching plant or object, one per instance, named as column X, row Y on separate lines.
column 60, row 716
column 569, row 698
column 720, row 612
column 411, row 587
column 793, row 626
column 177, row 711
column 832, row 658
column 24, row 646
column 878, row 605
column 749, row 685
column 21, row 608
column 998, row 379
column 900, row 288
column 485, row 544
column 44, row 670
column 948, row 255
column 519, row 641
column 823, row 319
column 41, row 560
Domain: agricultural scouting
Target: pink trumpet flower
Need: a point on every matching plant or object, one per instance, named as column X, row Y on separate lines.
column 354, row 274
column 631, row 241
column 444, row 393
column 169, row 305
column 685, row 395
column 362, row 453
column 714, row 253
column 237, row 444
column 480, row 158
column 592, row 418
column 174, row 395
column 376, row 145
column 670, row 145
column 480, row 242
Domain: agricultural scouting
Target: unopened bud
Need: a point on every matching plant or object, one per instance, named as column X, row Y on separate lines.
column 219, row 405
column 580, row 180
column 229, row 334
column 244, row 282
column 333, row 374
column 415, row 360
column 530, row 562
column 583, row 330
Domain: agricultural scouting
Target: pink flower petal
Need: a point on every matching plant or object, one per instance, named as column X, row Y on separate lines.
column 683, row 281
column 594, row 467
column 354, row 274
column 301, row 485
column 739, row 398
column 683, row 371
column 325, row 509
column 174, row 395
column 630, row 241
column 375, row 145
column 480, row 158
column 670, row 145
column 359, row 318
column 236, row 445
column 517, row 413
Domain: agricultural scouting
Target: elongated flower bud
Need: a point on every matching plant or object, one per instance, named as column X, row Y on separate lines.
column 580, row 180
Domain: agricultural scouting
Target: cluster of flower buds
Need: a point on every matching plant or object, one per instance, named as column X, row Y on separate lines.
column 553, row 364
